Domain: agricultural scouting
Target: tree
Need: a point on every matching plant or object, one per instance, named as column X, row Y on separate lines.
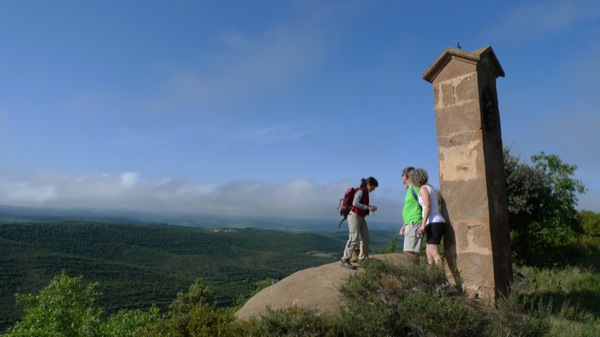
column 64, row 308
column 541, row 205
column 129, row 323
column 391, row 248
column 197, row 294
column 195, row 313
column 560, row 206
column 590, row 222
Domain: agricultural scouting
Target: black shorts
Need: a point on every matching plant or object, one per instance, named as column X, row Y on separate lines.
column 435, row 232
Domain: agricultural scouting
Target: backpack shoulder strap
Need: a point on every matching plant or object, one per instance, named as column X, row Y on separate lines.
column 414, row 194
column 412, row 190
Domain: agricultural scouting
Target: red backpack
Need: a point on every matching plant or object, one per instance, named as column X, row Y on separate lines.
column 346, row 203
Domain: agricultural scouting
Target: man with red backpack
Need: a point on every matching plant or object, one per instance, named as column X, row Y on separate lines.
column 357, row 225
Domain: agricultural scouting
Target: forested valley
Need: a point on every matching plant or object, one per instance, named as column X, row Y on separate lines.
column 138, row 265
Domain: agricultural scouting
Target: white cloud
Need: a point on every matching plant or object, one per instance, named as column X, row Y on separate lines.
column 27, row 192
column 270, row 134
column 129, row 179
column 129, row 191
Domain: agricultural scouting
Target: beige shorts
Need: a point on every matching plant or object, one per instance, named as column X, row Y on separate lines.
column 412, row 240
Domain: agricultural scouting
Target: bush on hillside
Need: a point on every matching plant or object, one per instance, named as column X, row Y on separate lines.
column 542, row 197
column 405, row 300
column 591, row 223
column 67, row 307
column 195, row 314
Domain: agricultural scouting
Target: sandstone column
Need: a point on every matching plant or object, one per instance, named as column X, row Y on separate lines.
column 471, row 168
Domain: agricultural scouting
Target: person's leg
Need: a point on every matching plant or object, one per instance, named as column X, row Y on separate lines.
column 437, row 259
column 429, row 241
column 356, row 253
column 428, row 254
column 433, row 255
column 412, row 241
column 366, row 240
column 437, row 230
column 353, row 236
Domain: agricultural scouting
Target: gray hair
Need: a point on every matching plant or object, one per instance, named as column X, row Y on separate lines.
column 407, row 170
column 419, row 177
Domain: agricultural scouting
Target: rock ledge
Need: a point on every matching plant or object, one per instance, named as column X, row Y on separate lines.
column 315, row 289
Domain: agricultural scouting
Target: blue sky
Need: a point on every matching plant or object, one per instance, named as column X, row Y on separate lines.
column 272, row 107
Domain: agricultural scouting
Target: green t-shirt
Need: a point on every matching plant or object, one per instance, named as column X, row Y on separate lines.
column 411, row 212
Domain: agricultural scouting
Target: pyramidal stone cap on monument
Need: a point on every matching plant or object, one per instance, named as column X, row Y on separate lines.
column 486, row 53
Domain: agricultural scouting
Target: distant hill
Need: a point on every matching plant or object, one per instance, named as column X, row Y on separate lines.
column 12, row 214
column 141, row 264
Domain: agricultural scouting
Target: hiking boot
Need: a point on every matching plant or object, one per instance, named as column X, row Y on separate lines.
column 347, row 264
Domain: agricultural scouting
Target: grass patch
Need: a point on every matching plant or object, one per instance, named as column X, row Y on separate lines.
column 570, row 295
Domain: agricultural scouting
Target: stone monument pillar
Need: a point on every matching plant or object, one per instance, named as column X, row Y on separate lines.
column 471, row 168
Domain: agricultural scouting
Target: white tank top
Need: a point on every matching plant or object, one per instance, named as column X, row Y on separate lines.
column 434, row 214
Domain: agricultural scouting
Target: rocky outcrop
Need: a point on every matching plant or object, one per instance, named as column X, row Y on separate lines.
column 315, row 289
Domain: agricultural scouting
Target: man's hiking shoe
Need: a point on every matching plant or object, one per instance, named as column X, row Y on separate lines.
column 347, row 264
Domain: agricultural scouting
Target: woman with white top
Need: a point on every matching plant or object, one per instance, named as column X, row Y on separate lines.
column 433, row 223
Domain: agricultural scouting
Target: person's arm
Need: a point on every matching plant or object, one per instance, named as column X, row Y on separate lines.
column 424, row 194
column 406, row 196
column 357, row 200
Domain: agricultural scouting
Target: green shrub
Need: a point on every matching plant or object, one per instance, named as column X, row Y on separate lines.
column 64, row 308
column 405, row 300
column 129, row 323
column 590, row 222
column 202, row 320
column 296, row 321
column 195, row 314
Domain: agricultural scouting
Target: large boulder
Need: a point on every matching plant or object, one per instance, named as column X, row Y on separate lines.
column 315, row 289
